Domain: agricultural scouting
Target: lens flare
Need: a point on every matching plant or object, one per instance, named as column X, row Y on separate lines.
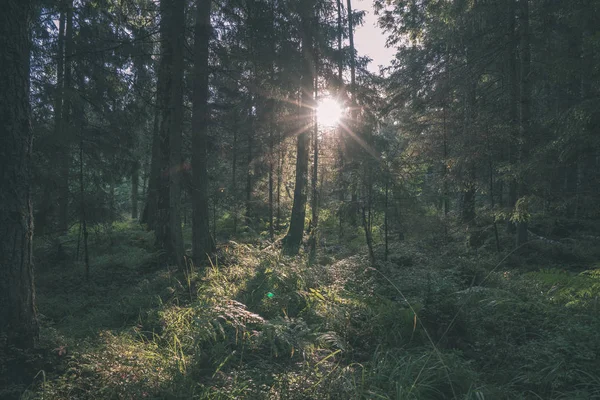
column 329, row 112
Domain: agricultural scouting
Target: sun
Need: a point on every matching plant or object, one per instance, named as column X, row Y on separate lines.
column 329, row 112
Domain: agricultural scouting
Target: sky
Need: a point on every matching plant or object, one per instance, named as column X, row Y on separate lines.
column 369, row 39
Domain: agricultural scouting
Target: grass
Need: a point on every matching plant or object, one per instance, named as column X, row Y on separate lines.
column 421, row 326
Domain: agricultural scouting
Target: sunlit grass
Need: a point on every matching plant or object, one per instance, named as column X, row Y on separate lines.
column 336, row 329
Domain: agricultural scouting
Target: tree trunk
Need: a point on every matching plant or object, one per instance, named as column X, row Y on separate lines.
column 280, row 159
column 491, row 189
column 249, row 168
column 315, row 169
column 352, row 145
column 83, row 219
column 293, row 238
column 111, row 200
column 368, row 236
column 445, row 194
column 234, row 189
column 271, row 170
column 386, row 216
column 19, row 327
column 352, row 55
column 202, row 242
column 513, row 109
column 65, row 124
column 524, row 128
column 168, row 230
column 340, row 152
column 151, row 206
column 135, row 179
column 58, row 112
column 340, row 34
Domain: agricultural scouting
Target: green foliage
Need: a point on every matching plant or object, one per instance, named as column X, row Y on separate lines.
column 571, row 290
column 420, row 326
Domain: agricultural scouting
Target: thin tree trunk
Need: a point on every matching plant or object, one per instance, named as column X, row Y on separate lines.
column 83, row 220
column 202, row 242
column 524, row 131
column 354, row 106
column 352, row 55
column 271, row 117
column 368, row 236
column 58, row 110
column 271, row 145
column 513, row 110
column 19, row 325
column 111, row 200
column 386, row 217
column 280, row 159
column 135, row 180
column 491, row 182
column 249, row 169
column 234, row 189
column 446, row 199
column 315, row 169
column 341, row 195
column 339, row 40
column 214, row 232
column 65, row 118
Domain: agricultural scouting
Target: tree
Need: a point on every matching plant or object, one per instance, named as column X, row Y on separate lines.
column 19, row 325
column 168, row 225
column 524, row 121
column 64, row 127
column 293, row 238
column 202, row 243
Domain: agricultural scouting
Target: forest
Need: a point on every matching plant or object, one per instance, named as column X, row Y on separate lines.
column 219, row 199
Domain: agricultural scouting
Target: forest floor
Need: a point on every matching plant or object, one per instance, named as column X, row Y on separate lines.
column 436, row 321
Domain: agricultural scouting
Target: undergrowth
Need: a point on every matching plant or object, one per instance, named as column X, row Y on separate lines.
column 258, row 325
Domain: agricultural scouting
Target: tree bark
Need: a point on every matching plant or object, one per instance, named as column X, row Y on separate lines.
column 83, row 219
column 340, row 33
column 524, row 126
column 271, row 170
column 513, row 109
column 352, row 56
column 386, row 216
column 234, row 189
column 315, row 169
column 249, row 167
column 352, row 144
column 151, row 206
column 135, row 179
column 168, row 230
column 280, row 160
column 368, row 236
column 202, row 242
column 58, row 110
column 293, row 238
column 18, row 326
column 65, row 123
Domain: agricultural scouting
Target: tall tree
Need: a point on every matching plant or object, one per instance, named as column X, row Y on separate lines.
column 202, row 243
column 63, row 111
column 19, row 325
column 524, row 121
column 293, row 238
column 151, row 207
column 513, row 105
column 168, row 225
column 58, row 110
